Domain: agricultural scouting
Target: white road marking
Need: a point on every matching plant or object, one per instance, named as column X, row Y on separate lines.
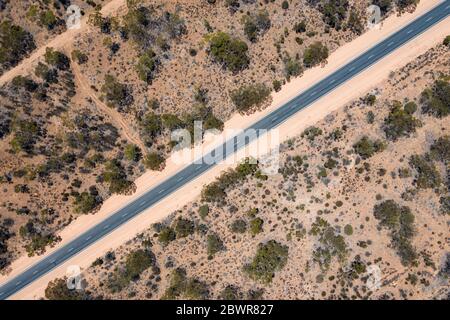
column 18, row 282
column 332, row 81
column 88, row 238
column 70, row 250
column 143, row 203
column 390, row 43
column 35, row 271
column 409, row 31
column 52, row 261
column 313, row 93
column 370, row 57
column 124, row 215
column 105, row 227
column 352, row 68
column 179, row 179
column 160, row 191
column 430, row 18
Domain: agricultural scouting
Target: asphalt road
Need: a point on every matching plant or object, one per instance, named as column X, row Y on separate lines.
column 191, row 171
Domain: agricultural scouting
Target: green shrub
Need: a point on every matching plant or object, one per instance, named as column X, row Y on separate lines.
column 315, row 54
column 203, row 211
column 214, row 244
column 79, row 56
column 436, row 101
column 250, row 97
column 230, row 292
column 238, row 226
column 292, row 68
column 348, row 229
column 256, row 25
column 446, row 41
column 166, row 235
column 147, row 65
column 132, row 152
column 311, row 133
column 154, row 161
column 256, row 226
column 184, row 227
column 48, row 19
column 399, row 123
column 56, row 59
column 400, row 221
column 85, row 202
column 270, row 257
column 228, row 51
column 366, row 148
column 427, row 174
column 116, row 94
column 15, row 44
column 58, row 290
column 440, row 149
column 182, row 286
column 116, row 176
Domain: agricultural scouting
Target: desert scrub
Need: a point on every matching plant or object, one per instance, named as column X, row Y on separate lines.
column 183, row 287
column 427, row 176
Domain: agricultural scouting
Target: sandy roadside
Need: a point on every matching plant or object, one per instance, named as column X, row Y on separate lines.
column 351, row 90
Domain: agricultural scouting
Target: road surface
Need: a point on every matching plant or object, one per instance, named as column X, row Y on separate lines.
column 193, row 170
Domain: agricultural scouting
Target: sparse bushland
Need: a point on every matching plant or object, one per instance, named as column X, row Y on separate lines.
column 400, row 222
column 270, row 257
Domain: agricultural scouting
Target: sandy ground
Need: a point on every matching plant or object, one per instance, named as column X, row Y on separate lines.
column 58, row 42
column 351, row 90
